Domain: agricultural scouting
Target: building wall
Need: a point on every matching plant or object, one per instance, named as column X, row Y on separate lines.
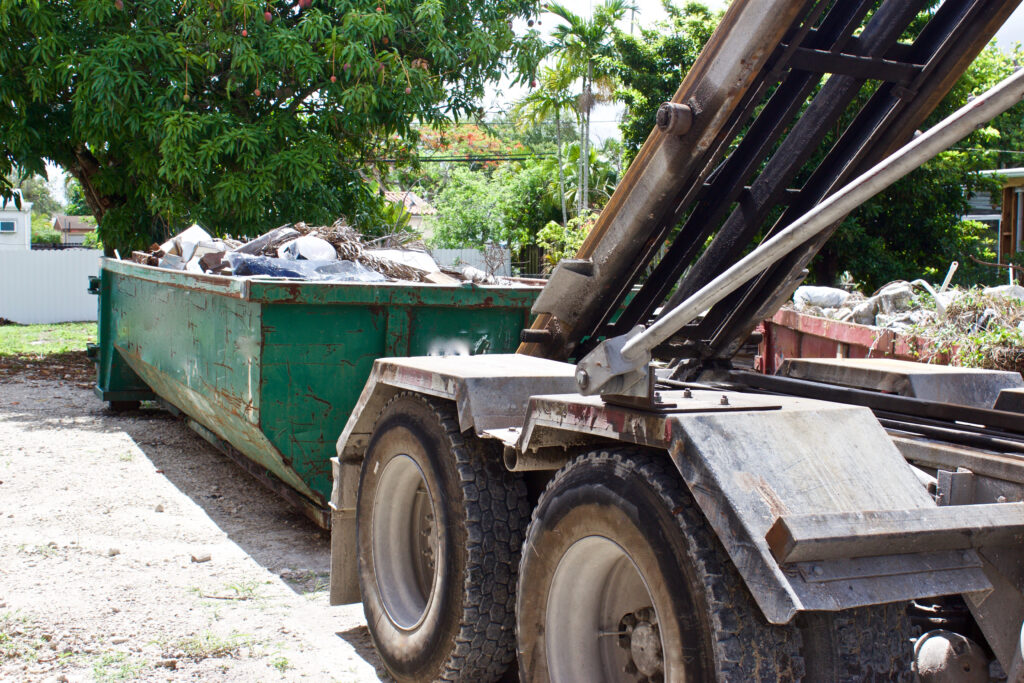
column 48, row 286
column 454, row 258
column 1010, row 245
column 21, row 238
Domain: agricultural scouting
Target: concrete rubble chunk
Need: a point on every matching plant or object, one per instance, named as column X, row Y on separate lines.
column 864, row 313
column 269, row 241
column 172, row 262
column 1005, row 292
column 895, row 297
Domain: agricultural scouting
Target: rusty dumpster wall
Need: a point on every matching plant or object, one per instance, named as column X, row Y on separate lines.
column 790, row 334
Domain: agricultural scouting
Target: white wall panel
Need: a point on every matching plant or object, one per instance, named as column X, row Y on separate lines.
column 48, row 286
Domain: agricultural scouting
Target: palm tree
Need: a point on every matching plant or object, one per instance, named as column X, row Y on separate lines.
column 549, row 101
column 580, row 44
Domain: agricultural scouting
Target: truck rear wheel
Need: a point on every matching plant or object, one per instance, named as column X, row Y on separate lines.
column 440, row 525
column 622, row 580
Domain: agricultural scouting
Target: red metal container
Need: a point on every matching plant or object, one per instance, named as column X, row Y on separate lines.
column 790, row 334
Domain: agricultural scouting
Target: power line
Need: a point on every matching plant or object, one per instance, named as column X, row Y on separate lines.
column 982, row 149
column 471, row 158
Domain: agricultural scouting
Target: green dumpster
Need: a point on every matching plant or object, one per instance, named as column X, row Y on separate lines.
column 268, row 370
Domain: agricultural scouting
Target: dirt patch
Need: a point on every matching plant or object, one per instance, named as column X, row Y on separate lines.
column 102, row 515
column 73, row 367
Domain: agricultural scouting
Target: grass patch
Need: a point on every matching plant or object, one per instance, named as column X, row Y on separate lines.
column 43, row 550
column 116, row 666
column 45, row 340
column 49, row 352
column 246, row 589
column 209, row 645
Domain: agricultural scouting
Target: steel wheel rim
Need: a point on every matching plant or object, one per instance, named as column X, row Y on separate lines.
column 404, row 541
column 587, row 634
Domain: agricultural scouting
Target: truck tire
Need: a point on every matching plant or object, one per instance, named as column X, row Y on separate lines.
column 621, row 579
column 440, row 523
column 872, row 644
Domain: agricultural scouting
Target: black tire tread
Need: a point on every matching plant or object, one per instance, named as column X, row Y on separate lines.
column 747, row 648
column 866, row 644
column 497, row 511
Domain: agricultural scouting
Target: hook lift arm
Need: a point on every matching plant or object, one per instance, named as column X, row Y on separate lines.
column 620, row 366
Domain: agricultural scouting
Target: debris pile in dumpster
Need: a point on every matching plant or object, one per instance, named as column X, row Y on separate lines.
column 983, row 326
column 299, row 251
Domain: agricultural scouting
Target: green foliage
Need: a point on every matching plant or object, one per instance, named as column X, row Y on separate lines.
column 92, row 240
column 508, row 207
column 911, row 230
column 168, row 114
column 603, row 175
column 650, row 66
column 76, row 198
column 34, row 189
column 564, row 241
column 42, row 230
column 394, row 218
column 914, row 228
column 980, row 331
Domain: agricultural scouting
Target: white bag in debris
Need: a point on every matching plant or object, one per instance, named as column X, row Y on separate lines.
column 476, row 275
column 825, row 297
column 309, row 248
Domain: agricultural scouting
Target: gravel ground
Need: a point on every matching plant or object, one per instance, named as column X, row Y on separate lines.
column 102, row 519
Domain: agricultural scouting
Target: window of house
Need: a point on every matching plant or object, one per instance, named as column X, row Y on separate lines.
column 6, row 226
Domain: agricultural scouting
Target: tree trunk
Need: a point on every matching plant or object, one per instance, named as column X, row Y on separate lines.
column 588, row 100
column 826, row 268
column 84, row 168
column 561, row 171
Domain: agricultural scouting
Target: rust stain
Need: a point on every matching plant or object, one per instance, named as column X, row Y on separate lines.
column 750, row 482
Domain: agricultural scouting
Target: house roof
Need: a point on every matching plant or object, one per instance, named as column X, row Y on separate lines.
column 413, row 203
column 74, row 224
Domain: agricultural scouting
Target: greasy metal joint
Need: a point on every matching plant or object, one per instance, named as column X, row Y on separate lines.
column 674, row 119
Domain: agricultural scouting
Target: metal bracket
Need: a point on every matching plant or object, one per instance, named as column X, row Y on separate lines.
column 651, row 402
column 606, row 371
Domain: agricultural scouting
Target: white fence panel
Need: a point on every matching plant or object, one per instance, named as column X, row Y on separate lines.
column 473, row 257
column 48, row 286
